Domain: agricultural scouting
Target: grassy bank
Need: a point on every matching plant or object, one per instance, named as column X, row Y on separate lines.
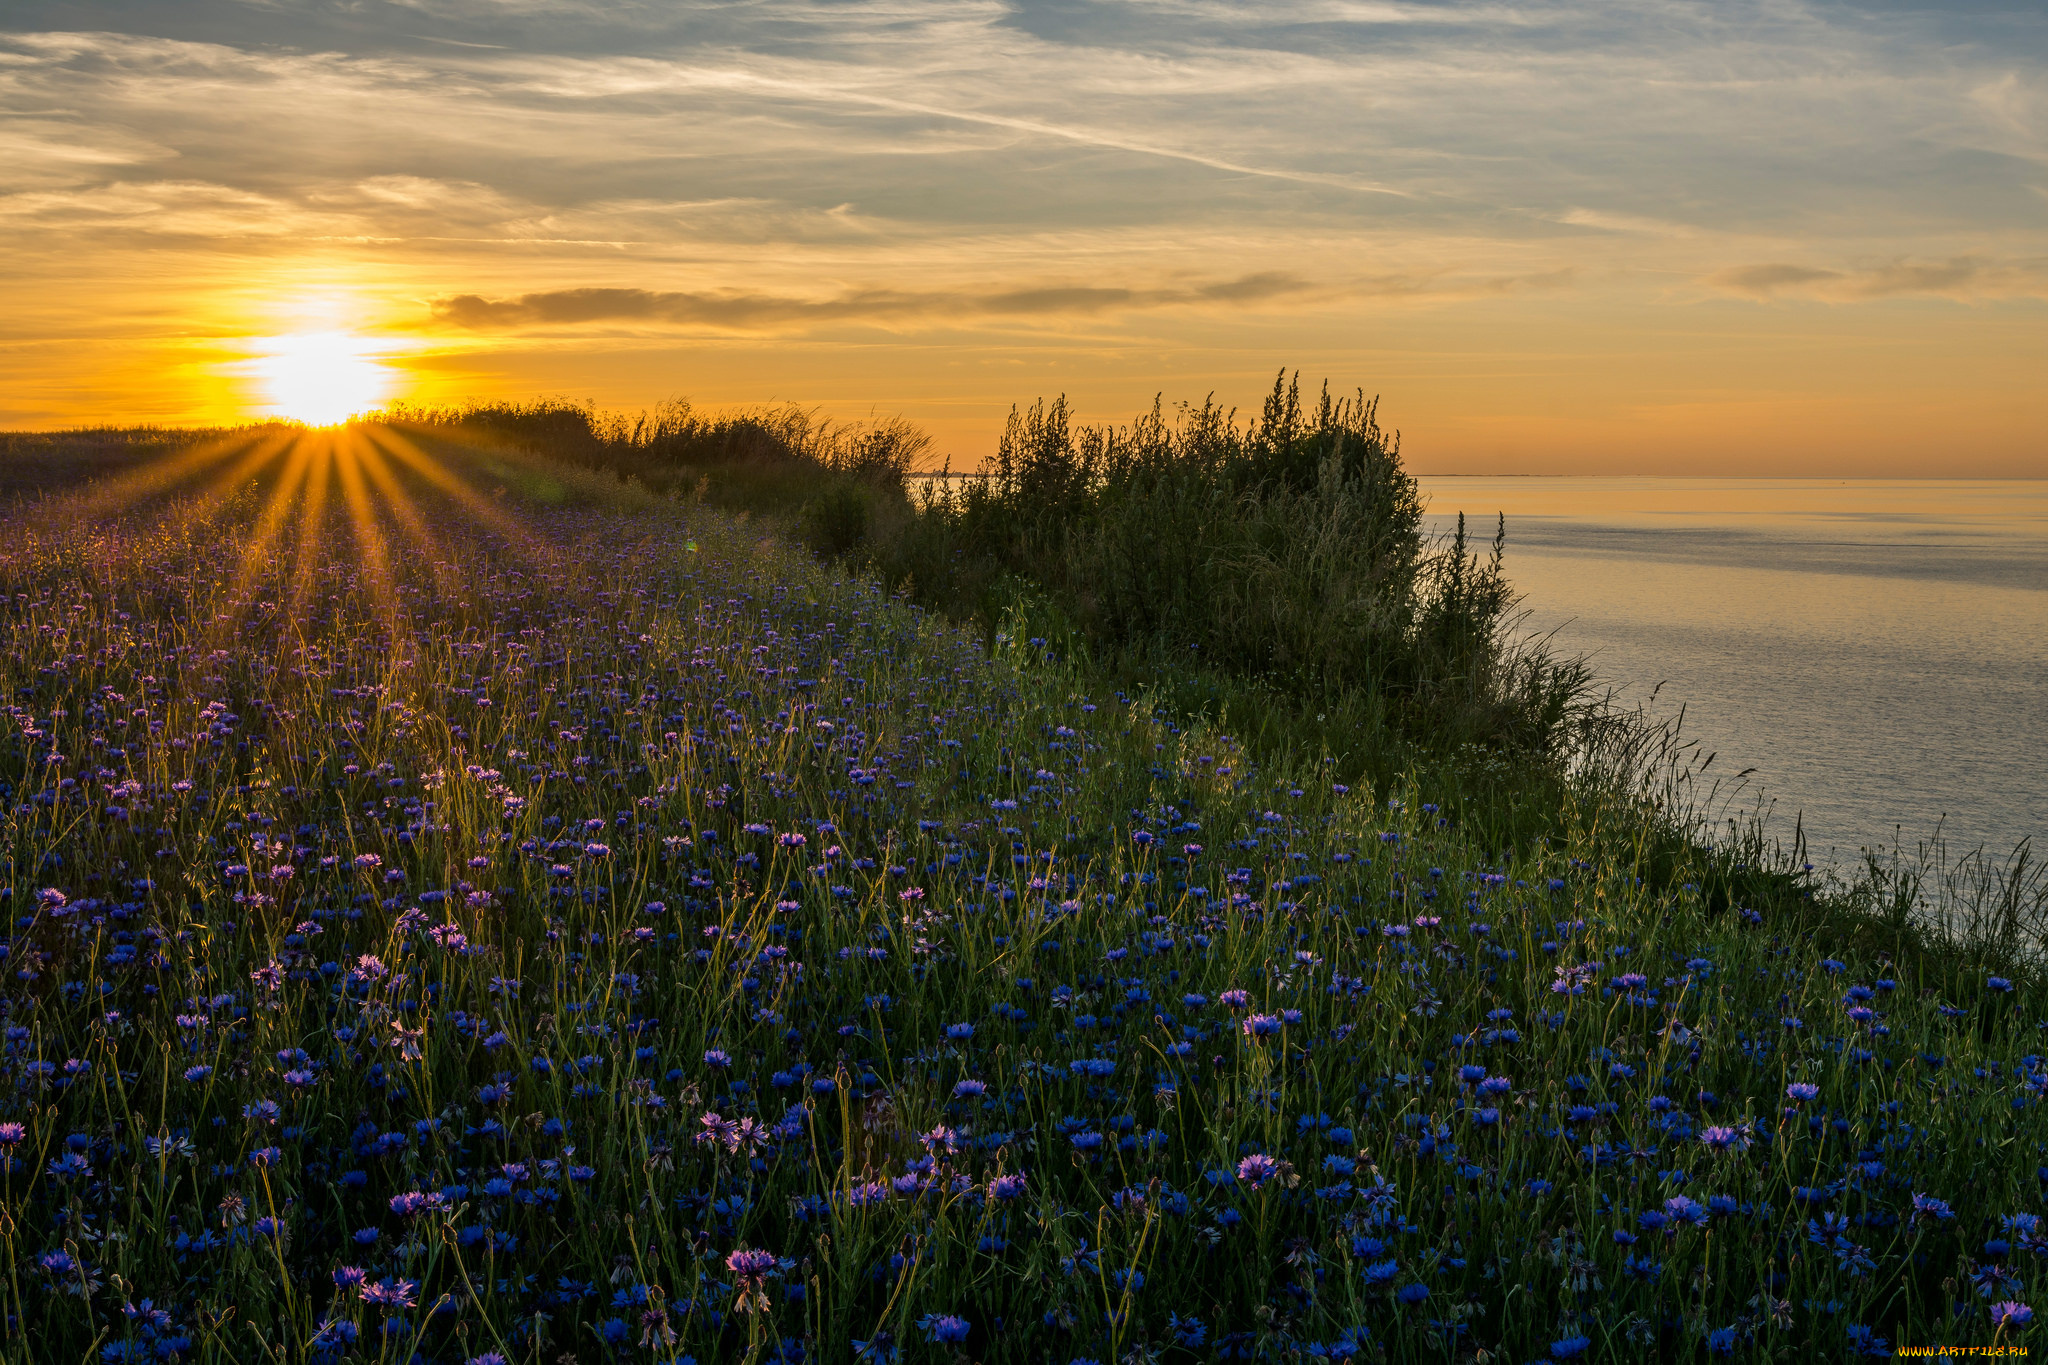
column 1136, row 554
column 1268, row 579
column 465, row 906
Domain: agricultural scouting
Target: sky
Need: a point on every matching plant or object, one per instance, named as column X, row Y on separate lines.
column 1796, row 237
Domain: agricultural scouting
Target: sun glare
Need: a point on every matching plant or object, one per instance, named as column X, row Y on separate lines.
column 321, row 378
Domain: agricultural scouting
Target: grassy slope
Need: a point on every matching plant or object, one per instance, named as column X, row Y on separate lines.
column 659, row 679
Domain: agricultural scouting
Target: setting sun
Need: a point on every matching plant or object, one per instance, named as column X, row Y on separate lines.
column 321, row 378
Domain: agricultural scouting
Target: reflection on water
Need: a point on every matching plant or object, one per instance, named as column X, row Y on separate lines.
column 1878, row 651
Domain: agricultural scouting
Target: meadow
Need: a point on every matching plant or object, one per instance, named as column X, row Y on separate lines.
column 468, row 906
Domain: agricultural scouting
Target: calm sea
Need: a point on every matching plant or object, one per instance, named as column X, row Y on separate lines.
column 1876, row 651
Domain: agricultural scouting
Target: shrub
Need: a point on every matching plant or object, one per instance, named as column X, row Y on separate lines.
column 1289, row 551
column 1227, row 564
column 835, row 523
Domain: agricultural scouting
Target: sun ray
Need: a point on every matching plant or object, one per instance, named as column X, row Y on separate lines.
column 437, row 472
column 266, row 532
column 370, row 541
column 168, row 476
column 312, row 529
column 430, row 549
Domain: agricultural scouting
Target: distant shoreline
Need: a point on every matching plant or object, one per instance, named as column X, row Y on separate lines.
column 1694, row 478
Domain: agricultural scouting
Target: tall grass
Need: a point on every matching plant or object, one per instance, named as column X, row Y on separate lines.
column 35, row 462
column 764, row 459
column 583, row 928
column 1954, row 914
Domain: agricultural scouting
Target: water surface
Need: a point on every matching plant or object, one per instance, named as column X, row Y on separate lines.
column 1876, row 650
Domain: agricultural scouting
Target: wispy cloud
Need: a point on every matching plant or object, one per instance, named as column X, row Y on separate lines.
column 1405, row 119
column 745, row 311
column 1606, row 221
column 1959, row 278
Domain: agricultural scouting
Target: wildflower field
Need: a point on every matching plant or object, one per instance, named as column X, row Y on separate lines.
column 466, row 910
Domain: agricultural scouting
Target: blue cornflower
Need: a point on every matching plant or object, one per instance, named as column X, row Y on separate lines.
column 944, row 1327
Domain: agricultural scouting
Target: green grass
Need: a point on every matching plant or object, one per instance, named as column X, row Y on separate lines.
column 507, row 720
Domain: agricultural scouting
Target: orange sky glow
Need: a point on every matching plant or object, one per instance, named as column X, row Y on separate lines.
column 1800, row 238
